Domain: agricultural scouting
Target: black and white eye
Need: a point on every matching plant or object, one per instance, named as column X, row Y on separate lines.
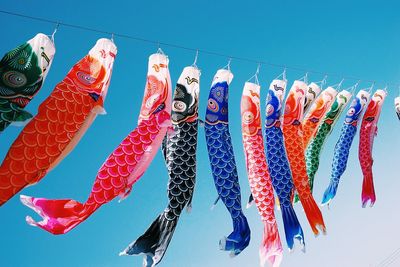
column 14, row 79
column 178, row 106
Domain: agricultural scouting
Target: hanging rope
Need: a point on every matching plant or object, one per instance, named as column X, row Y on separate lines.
column 203, row 51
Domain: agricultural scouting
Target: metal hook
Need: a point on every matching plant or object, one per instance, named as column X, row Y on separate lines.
column 339, row 85
column 258, row 69
column 304, row 78
column 323, row 81
column 255, row 76
column 354, row 87
column 195, row 59
column 228, row 66
column 372, row 86
column 385, row 89
column 284, row 74
column 55, row 31
column 159, row 50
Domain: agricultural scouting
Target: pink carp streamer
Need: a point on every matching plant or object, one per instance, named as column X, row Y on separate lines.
column 259, row 178
column 124, row 166
column 368, row 131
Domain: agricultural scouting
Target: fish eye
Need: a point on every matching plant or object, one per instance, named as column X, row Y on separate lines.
column 213, row 105
column 351, row 111
column 248, row 117
column 178, row 106
column 85, row 78
column 270, row 109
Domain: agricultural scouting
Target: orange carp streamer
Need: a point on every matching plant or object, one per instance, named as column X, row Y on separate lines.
column 318, row 109
column 292, row 132
column 62, row 120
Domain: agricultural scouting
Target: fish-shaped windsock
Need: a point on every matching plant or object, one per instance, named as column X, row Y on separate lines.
column 257, row 172
column 314, row 148
column 180, row 157
column 368, row 131
column 60, row 123
column 126, row 164
column 311, row 94
column 22, row 74
column 397, row 106
column 278, row 164
column 222, row 159
column 342, row 148
column 292, row 133
column 317, row 111
column 313, row 118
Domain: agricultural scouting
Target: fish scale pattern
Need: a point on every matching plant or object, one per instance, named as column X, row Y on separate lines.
column 279, row 169
column 313, row 152
column 223, row 166
column 180, row 157
column 368, row 131
column 340, row 157
column 259, row 178
column 342, row 152
column 113, row 178
column 44, row 138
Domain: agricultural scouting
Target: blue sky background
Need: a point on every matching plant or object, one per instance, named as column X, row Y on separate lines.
column 357, row 38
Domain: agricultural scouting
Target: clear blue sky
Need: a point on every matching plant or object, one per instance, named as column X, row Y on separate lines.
column 357, row 38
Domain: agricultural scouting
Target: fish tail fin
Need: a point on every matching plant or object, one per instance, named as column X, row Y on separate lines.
column 296, row 198
column 314, row 215
column 292, row 227
column 368, row 190
column 239, row 239
column 250, row 202
column 58, row 216
column 271, row 250
column 154, row 242
column 329, row 193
